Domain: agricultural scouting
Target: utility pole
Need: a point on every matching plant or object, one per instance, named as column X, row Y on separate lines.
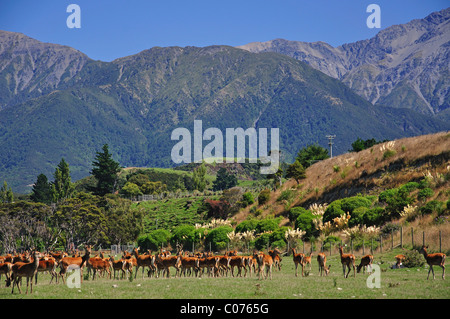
column 330, row 143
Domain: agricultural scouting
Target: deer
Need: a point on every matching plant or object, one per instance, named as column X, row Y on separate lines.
column 347, row 260
column 322, row 260
column 436, row 259
column 47, row 264
column 25, row 269
column 166, row 263
column 143, row 261
column 366, row 261
column 77, row 261
column 399, row 259
column 307, row 260
column 265, row 262
column 6, row 269
column 299, row 259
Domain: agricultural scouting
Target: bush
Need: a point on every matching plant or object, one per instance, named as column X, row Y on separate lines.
column 425, row 193
column 409, row 187
column 388, row 153
column 183, row 234
column 154, row 240
column 413, row 259
column 295, row 212
column 433, row 206
column 246, row 225
column 267, row 224
column 263, row 197
column 286, row 195
column 374, row 216
column 333, row 210
column 305, row 222
column 217, row 236
column 396, row 199
column 247, row 199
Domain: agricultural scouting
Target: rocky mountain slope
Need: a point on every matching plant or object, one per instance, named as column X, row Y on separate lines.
column 402, row 66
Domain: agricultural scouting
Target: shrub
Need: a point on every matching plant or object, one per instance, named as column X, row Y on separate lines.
column 413, row 259
column 433, row 206
column 357, row 216
column 183, row 234
column 262, row 241
column 154, row 240
column 333, row 210
column 247, row 199
column 305, row 222
column 217, row 236
column 425, row 193
column 396, row 199
column 409, row 187
column 286, row 195
column 295, row 212
column 267, row 224
column 263, row 197
column 374, row 216
column 388, row 153
column 246, row 225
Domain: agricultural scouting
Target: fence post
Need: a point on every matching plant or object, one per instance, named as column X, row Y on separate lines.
column 401, row 237
column 371, row 246
column 423, row 238
column 392, row 239
column 351, row 244
column 381, row 244
column 363, row 247
column 412, row 237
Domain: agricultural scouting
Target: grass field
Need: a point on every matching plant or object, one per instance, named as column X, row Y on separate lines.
column 395, row 284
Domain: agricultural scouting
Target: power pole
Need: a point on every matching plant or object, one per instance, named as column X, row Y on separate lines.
column 330, row 143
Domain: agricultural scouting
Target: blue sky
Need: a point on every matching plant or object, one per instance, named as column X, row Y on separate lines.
column 116, row 28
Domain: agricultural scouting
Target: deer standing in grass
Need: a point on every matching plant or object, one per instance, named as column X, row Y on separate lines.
column 299, row 259
column 366, row 261
column 22, row 269
column 347, row 260
column 77, row 261
column 322, row 260
column 436, row 259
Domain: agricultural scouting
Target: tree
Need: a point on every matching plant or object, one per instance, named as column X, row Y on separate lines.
column 361, row 144
column 296, row 171
column 199, row 178
column 105, row 170
column 310, row 154
column 224, row 180
column 6, row 194
column 62, row 186
column 41, row 192
column 130, row 190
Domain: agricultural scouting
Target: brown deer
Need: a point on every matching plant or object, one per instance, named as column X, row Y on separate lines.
column 436, row 259
column 78, row 261
column 22, row 269
column 347, row 260
column 6, row 268
column 366, row 261
column 299, row 259
column 322, row 260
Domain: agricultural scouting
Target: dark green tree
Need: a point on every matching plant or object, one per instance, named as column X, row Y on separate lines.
column 105, row 170
column 6, row 194
column 224, row 180
column 311, row 154
column 296, row 171
column 41, row 192
column 199, row 178
column 62, row 186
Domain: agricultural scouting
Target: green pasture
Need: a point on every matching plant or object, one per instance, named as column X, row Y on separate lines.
column 403, row 283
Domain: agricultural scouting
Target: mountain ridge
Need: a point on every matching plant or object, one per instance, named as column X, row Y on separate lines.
column 404, row 65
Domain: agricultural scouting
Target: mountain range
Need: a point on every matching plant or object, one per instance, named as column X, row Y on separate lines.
column 402, row 66
column 56, row 102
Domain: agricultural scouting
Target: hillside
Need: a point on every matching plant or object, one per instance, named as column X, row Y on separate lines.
column 134, row 103
column 402, row 66
column 383, row 166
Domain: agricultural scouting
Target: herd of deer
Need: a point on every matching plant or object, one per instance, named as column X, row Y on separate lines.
column 28, row 265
